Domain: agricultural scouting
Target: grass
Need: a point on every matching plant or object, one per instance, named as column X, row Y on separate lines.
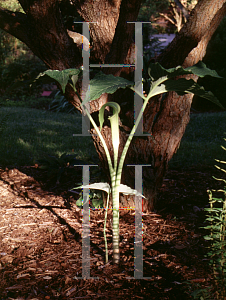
column 27, row 102
column 201, row 142
column 31, row 132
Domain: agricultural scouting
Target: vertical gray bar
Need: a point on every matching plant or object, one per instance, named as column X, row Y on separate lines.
column 138, row 101
column 85, row 225
column 138, row 248
column 85, row 80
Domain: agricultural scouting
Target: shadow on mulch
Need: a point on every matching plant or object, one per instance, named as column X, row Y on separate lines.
column 41, row 240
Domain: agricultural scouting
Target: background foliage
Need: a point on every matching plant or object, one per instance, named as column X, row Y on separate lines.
column 18, row 66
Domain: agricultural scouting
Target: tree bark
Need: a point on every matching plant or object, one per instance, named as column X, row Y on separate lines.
column 174, row 112
column 43, row 30
column 103, row 18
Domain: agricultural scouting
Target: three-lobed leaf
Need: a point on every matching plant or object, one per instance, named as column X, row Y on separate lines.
column 182, row 86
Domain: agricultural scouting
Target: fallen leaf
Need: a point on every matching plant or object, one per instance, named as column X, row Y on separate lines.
column 7, row 259
column 23, row 276
column 47, row 277
column 67, row 279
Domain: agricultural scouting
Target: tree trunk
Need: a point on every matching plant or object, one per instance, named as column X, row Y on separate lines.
column 42, row 29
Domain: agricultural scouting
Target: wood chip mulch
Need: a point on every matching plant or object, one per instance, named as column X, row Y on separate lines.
column 41, row 241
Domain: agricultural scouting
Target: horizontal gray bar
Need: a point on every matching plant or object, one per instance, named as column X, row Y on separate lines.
column 110, row 65
column 141, row 22
column 139, row 165
column 84, row 22
column 147, row 278
column 85, row 165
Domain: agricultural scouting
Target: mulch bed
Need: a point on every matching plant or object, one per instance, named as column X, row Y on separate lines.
column 41, row 240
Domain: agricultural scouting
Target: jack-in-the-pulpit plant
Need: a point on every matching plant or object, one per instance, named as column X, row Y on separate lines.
column 160, row 82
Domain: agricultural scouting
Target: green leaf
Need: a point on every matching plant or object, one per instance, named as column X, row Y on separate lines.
column 62, row 76
column 97, row 202
column 103, row 83
column 156, row 71
column 104, row 186
column 208, row 238
column 201, row 70
column 182, row 86
column 79, row 202
column 126, row 190
column 74, row 79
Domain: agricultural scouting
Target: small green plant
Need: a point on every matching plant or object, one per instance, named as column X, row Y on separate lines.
column 97, row 199
column 161, row 81
column 199, row 292
column 216, row 218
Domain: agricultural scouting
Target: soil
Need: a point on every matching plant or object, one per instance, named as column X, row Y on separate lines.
column 41, row 240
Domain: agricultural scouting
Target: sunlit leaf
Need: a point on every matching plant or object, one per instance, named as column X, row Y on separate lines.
column 126, row 190
column 104, row 186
